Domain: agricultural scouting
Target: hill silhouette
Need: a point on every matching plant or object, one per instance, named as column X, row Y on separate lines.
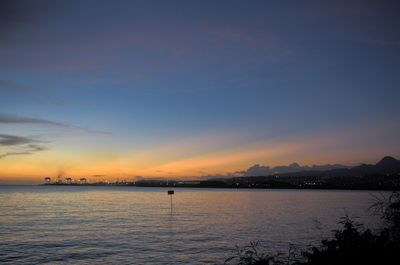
column 387, row 165
column 384, row 175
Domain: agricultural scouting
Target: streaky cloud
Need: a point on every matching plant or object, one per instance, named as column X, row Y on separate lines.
column 21, row 145
column 4, row 118
column 11, row 140
column 14, row 153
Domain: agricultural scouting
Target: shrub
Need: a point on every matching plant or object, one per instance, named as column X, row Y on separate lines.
column 351, row 245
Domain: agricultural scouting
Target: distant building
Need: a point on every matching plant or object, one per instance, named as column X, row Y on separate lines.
column 189, row 182
column 68, row 180
column 47, row 180
column 83, row 181
column 58, row 180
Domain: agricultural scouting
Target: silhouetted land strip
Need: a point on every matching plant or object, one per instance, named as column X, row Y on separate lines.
column 374, row 182
column 384, row 175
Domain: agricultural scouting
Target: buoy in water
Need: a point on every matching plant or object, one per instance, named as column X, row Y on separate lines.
column 170, row 193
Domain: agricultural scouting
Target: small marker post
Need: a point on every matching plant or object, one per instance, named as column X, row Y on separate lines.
column 170, row 193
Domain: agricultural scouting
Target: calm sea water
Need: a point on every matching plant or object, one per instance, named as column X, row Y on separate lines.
column 131, row 225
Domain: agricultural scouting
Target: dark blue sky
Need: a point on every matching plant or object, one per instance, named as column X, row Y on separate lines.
column 197, row 87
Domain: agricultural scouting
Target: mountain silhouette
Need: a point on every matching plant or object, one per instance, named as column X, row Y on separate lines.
column 387, row 165
column 259, row 170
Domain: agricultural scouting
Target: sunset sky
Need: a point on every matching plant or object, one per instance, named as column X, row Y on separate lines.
column 187, row 89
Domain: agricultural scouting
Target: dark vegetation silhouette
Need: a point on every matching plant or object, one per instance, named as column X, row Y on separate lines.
column 353, row 244
column 383, row 175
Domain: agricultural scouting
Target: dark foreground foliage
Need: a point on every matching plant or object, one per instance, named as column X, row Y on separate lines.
column 351, row 245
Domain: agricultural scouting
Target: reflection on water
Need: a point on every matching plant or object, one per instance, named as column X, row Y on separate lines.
column 81, row 225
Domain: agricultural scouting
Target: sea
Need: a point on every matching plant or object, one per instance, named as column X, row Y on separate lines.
column 138, row 225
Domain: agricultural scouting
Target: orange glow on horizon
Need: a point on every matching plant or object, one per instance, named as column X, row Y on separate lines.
column 192, row 157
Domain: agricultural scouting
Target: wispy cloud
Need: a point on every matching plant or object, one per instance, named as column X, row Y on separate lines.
column 27, row 150
column 20, row 145
column 13, row 119
column 10, row 140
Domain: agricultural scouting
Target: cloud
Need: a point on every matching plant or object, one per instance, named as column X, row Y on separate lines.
column 10, row 119
column 259, row 170
column 13, row 153
column 30, row 149
column 16, row 119
column 98, row 176
column 10, row 140
column 20, row 145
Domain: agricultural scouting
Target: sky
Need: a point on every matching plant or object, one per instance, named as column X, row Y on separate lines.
column 187, row 89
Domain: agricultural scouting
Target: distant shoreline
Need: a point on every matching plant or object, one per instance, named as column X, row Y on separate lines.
column 224, row 187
